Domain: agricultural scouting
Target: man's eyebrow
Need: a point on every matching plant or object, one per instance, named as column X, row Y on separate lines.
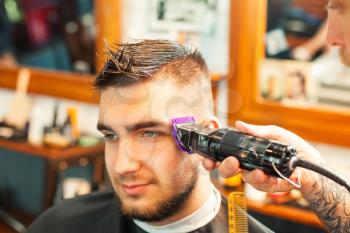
column 101, row 127
column 146, row 124
column 135, row 127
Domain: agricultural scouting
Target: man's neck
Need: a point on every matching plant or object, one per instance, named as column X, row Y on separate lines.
column 198, row 197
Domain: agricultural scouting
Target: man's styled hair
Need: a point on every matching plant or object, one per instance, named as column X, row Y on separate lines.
column 131, row 63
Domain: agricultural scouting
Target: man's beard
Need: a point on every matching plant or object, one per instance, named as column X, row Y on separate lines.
column 345, row 58
column 164, row 209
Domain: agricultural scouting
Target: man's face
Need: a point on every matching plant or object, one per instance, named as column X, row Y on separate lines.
column 339, row 27
column 151, row 177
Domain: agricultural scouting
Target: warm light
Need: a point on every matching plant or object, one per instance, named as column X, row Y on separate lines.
column 12, row 11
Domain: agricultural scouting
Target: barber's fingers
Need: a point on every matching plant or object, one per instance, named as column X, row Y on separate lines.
column 209, row 164
column 275, row 133
column 254, row 177
column 305, row 150
column 229, row 167
column 211, row 122
column 263, row 131
column 259, row 180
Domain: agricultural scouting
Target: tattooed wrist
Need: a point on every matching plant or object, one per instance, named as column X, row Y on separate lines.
column 330, row 201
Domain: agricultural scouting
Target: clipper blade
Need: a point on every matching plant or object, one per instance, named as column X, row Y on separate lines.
column 178, row 121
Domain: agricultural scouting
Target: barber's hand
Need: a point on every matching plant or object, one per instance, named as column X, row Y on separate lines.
column 257, row 178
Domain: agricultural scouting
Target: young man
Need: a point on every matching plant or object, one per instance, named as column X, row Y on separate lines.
column 156, row 187
column 329, row 200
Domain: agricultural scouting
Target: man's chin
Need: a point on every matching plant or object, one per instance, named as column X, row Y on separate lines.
column 156, row 206
column 136, row 203
column 141, row 210
column 133, row 200
column 135, row 206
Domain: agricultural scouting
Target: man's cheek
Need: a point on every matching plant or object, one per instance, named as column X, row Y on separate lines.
column 164, row 163
column 345, row 56
column 108, row 157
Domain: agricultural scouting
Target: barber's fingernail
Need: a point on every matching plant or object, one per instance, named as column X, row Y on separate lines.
column 231, row 164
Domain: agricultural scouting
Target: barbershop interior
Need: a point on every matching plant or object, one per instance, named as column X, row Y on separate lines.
column 269, row 64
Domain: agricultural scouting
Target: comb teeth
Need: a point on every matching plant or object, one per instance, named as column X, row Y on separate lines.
column 237, row 212
column 183, row 120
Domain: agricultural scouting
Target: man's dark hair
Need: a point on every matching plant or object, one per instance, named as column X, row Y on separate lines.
column 130, row 63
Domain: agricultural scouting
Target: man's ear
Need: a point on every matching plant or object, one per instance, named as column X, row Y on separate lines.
column 211, row 122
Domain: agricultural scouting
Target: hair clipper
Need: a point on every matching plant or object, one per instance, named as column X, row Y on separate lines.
column 216, row 144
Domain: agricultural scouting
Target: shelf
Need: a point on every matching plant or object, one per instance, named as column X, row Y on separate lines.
column 52, row 83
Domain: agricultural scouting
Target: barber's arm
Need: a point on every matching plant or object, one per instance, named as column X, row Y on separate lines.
column 330, row 201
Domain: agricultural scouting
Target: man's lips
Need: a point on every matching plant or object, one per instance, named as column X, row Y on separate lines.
column 135, row 188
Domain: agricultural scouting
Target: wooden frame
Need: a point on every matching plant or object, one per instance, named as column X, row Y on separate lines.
column 73, row 86
column 53, row 83
column 248, row 20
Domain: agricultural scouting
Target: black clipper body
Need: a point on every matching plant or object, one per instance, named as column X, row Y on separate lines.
column 252, row 152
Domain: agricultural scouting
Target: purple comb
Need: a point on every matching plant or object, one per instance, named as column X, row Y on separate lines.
column 177, row 121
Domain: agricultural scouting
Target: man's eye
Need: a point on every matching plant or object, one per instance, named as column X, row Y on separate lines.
column 110, row 137
column 150, row 134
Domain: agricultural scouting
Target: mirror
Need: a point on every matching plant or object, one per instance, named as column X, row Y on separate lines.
column 49, row 34
column 201, row 24
column 300, row 69
column 295, row 29
column 322, row 123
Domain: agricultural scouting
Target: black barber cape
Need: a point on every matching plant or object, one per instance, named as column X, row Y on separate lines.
column 100, row 213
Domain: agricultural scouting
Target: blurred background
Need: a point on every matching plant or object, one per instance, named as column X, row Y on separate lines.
column 48, row 34
column 269, row 64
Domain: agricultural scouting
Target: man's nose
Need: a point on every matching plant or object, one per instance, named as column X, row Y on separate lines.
column 127, row 160
column 334, row 32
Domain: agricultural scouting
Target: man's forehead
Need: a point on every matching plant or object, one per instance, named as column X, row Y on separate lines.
column 133, row 93
column 157, row 110
column 156, row 99
column 153, row 93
